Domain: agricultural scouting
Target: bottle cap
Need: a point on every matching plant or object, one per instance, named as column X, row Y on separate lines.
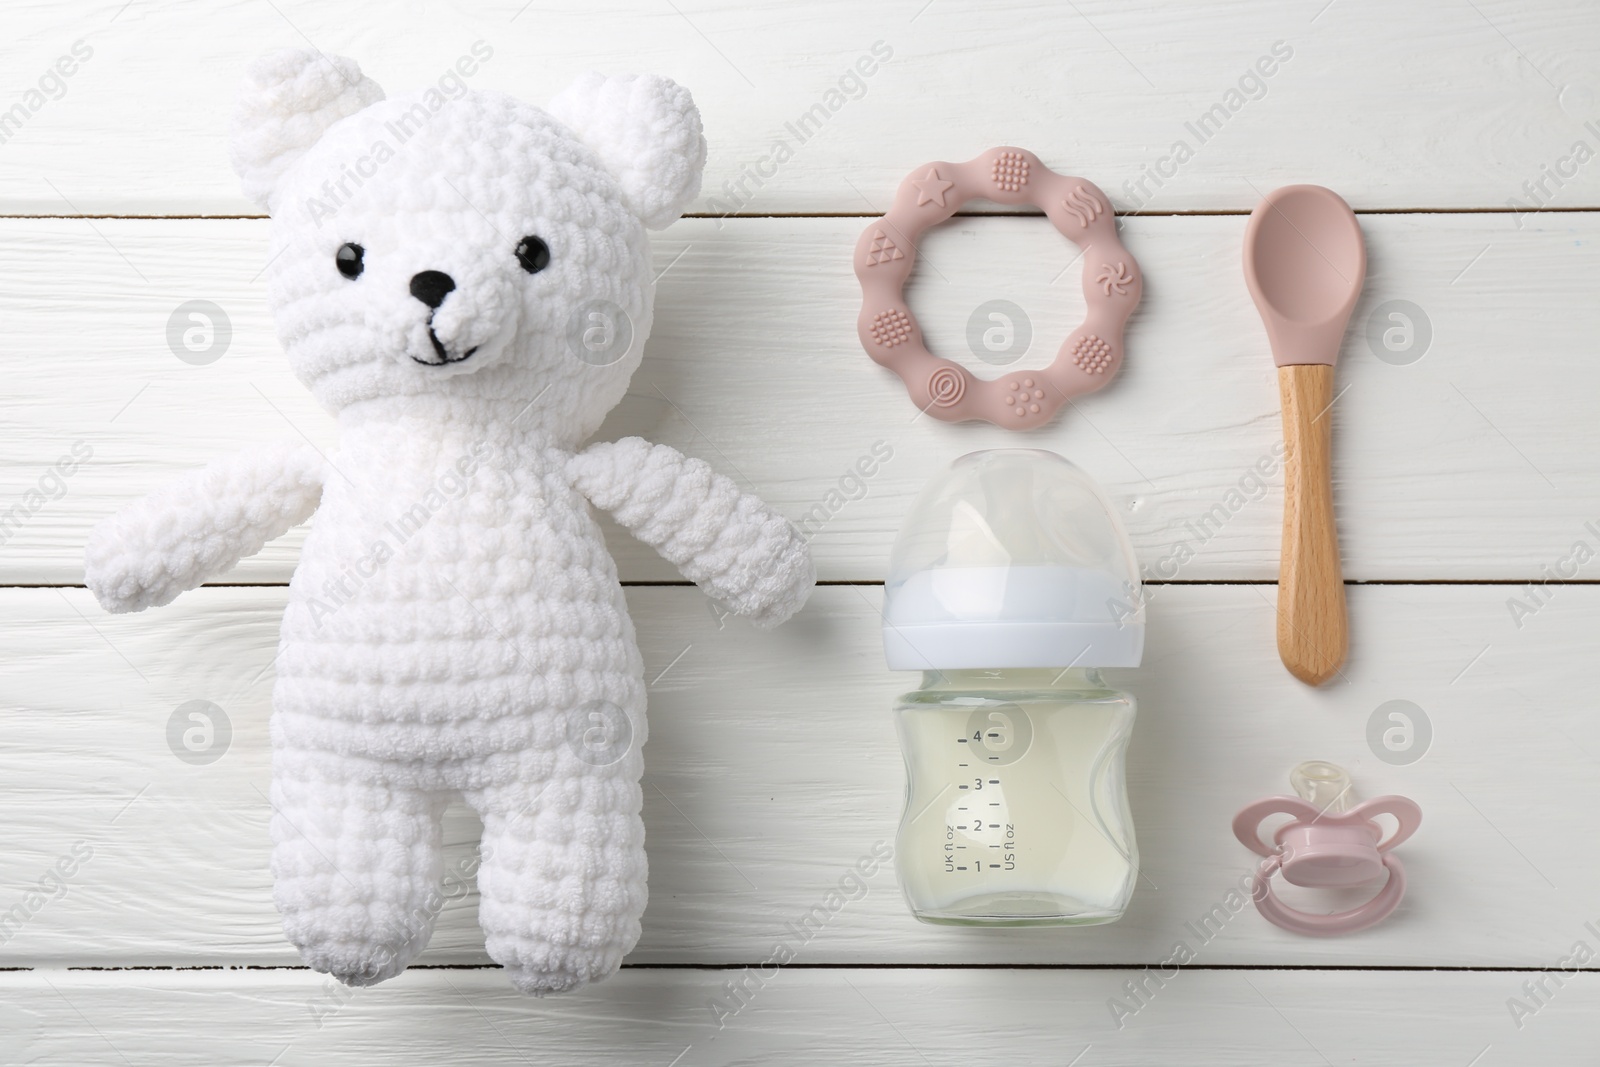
column 1012, row 558
column 1328, row 844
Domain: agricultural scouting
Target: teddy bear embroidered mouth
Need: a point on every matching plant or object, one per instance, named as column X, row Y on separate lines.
column 445, row 358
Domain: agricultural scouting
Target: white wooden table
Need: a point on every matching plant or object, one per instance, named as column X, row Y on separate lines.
column 1464, row 470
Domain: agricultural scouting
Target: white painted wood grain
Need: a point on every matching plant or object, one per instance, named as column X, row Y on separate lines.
column 772, row 767
column 1423, row 104
column 869, row 1017
column 1474, row 463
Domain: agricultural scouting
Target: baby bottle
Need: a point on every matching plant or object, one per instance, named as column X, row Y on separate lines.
column 1010, row 586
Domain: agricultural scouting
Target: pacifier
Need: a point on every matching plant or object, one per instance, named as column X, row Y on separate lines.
column 1019, row 400
column 1329, row 844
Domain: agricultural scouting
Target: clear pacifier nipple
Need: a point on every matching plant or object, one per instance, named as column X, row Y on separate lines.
column 1327, row 785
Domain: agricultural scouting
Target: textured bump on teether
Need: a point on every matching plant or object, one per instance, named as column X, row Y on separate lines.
column 946, row 387
column 1114, row 279
column 892, row 327
column 1112, row 285
column 931, row 188
column 1084, row 205
column 882, row 249
column 1011, row 171
column 1092, row 354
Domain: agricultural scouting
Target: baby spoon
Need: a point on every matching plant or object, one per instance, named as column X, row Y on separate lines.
column 1304, row 262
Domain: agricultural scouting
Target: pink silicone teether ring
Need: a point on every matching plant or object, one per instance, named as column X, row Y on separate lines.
column 1325, row 849
column 1018, row 400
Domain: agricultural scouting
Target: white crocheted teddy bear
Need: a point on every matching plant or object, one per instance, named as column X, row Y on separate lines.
column 466, row 283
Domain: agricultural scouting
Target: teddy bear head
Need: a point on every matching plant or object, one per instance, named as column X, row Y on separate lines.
column 463, row 251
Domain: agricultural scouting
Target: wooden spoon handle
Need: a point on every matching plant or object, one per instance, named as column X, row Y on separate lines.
column 1313, row 632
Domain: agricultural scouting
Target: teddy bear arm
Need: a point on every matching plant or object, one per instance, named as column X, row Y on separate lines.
column 200, row 525
column 736, row 548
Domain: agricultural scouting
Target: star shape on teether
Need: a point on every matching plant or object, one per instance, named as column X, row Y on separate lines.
column 931, row 188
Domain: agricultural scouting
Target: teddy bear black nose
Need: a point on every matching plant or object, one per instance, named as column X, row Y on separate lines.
column 432, row 286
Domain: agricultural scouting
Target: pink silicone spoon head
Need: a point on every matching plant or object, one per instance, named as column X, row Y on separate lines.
column 1305, row 262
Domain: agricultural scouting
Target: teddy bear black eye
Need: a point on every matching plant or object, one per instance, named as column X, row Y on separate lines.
column 533, row 254
column 348, row 259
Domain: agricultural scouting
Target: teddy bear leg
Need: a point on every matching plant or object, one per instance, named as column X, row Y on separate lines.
column 562, row 879
column 356, row 869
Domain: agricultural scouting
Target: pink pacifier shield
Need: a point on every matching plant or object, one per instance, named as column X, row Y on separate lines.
column 1329, row 856
column 1019, row 400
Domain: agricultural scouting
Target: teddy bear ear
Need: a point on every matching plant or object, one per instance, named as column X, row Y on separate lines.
column 646, row 130
column 289, row 99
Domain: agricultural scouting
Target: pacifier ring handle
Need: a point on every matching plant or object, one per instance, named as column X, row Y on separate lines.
column 1366, row 915
column 1018, row 400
